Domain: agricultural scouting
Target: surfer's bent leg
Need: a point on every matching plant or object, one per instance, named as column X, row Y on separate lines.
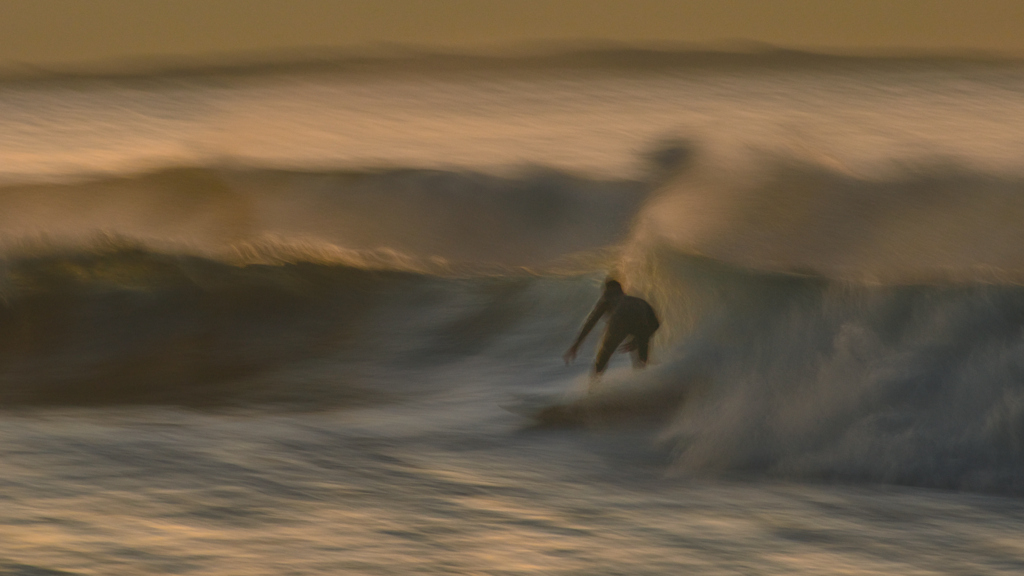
column 611, row 341
column 642, row 347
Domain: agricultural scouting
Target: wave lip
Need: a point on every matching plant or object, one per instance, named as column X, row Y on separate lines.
column 530, row 219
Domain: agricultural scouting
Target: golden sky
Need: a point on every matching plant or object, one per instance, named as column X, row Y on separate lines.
column 54, row 32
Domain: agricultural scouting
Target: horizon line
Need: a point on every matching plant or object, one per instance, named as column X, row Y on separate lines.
column 387, row 57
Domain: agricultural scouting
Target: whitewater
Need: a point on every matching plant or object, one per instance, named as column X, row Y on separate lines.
column 296, row 319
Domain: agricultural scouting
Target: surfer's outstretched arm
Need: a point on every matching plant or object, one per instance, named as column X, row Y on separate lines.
column 600, row 309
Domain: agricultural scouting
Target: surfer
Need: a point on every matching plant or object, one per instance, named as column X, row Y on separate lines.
column 629, row 318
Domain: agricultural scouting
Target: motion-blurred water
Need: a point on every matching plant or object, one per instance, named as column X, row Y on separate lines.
column 297, row 321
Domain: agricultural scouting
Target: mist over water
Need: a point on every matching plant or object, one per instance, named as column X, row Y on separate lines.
column 302, row 314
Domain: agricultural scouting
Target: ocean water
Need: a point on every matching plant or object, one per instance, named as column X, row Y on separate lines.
column 310, row 320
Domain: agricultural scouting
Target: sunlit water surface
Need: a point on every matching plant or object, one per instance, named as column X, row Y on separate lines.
column 228, row 383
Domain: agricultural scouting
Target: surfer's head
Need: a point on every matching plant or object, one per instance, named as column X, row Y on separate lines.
column 612, row 288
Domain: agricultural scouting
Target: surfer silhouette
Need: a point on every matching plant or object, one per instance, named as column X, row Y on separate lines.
column 630, row 320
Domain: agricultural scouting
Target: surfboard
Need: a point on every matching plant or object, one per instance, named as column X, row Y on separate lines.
column 549, row 410
column 603, row 407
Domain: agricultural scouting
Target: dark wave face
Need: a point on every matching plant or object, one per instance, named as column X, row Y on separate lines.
column 122, row 324
column 126, row 325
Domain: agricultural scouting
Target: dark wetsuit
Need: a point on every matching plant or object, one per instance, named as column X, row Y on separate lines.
column 627, row 317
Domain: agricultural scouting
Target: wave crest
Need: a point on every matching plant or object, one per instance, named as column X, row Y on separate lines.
column 531, row 219
column 904, row 222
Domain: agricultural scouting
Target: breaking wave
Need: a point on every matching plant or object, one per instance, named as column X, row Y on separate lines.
column 817, row 323
column 802, row 376
column 825, row 324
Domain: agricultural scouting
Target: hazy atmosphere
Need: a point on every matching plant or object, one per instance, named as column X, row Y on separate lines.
column 559, row 287
column 62, row 32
